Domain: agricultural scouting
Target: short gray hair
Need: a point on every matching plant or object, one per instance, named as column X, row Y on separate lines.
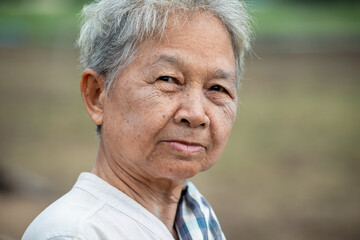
column 113, row 29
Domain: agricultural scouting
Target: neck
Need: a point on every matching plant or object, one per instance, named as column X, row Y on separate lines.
column 158, row 196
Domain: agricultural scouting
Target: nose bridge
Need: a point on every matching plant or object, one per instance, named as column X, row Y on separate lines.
column 194, row 100
column 192, row 109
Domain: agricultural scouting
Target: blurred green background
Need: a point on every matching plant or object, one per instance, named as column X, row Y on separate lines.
column 291, row 169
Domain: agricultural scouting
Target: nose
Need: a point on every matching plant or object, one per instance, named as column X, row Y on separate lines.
column 191, row 111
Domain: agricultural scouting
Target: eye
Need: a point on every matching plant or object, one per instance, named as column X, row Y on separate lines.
column 218, row 88
column 167, row 79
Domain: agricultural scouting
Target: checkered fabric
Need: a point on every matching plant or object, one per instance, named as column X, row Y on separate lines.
column 195, row 219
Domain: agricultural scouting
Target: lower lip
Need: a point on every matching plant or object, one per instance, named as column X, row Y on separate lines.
column 186, row 148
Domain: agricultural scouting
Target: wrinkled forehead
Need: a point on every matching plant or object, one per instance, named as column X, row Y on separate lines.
column 178, row 20
column 182, row 29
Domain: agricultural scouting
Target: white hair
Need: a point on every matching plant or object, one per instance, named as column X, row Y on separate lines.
column 113, row 29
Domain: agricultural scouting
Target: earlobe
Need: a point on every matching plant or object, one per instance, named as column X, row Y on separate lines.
column 93, row 94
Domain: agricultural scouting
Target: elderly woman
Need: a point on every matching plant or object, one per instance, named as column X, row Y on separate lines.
column 160, row 82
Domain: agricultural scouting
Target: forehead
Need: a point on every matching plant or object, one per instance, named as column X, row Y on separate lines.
column 197, row 38
column 199, row 28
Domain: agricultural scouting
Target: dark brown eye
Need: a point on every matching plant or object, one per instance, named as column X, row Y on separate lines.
column 167, row 79
column 218, row 88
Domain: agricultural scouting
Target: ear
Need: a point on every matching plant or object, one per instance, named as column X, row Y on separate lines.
column 93, row 94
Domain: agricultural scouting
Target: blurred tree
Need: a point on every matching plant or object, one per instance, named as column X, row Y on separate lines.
column 11, row 1
column 81, row 2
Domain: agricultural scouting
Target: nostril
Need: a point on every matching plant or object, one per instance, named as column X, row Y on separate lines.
column 184, row 120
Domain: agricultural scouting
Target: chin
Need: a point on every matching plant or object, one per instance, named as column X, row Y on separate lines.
column 181, row 169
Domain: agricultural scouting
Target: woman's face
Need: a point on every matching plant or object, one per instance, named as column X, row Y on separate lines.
column 171, row 111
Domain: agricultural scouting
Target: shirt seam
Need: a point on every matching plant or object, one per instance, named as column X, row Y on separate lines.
column 58, row 234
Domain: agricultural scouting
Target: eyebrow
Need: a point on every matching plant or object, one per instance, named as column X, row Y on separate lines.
column 172, row 59
column 221, row 74
column 216, row 74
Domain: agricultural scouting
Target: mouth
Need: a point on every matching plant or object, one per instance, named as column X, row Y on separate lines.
column 187, row 148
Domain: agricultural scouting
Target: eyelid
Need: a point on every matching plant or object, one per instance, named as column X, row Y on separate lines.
column 226, row 90
column 163, row 78
column 177, row 78
column 223, row 89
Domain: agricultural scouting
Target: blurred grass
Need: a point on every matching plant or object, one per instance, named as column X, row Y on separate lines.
column 291, row 167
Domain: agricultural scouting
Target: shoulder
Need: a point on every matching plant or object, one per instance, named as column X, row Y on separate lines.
column 95, row 210
column 65, row 218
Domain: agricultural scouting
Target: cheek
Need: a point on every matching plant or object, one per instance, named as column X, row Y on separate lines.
column 221, row 125
column 223, row 118
column 140, row 115
column 151, row 112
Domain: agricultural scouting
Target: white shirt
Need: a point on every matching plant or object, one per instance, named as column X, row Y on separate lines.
column 93, row 209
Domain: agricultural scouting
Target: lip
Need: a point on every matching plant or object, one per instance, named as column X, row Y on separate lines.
column 187, row 148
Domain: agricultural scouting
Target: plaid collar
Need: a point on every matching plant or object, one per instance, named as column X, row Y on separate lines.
column 195, row 219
